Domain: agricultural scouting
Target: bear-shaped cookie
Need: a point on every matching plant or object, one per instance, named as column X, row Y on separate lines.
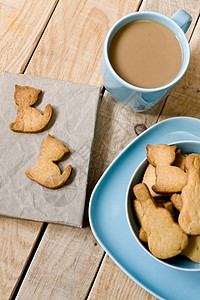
column 165, row 238
column 169, row 179
column 46, row 172
column 29, row 119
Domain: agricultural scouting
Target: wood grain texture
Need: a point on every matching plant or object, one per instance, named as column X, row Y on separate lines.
column 21, row 24
column 65, row 264
column 116, row 126
column 170, row 7
column 111, row 283
column 71, row 47
column 17, row 239
column 185, row 99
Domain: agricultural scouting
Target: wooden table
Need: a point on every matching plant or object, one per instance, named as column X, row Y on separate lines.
column 63, row 39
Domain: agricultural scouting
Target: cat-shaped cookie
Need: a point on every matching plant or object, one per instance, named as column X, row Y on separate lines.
column 169, row 179
column 29, row 119
column 46, row 172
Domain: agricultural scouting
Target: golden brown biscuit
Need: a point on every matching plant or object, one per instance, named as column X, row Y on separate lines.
column 46, row 172
column 29, row 119
column 138, row 210
column 192, row 251
column 143, row 235
column 180, row 159
column 139, row 214
column 164, row 236
column 169, row 179
column 176, row 201
column 163, row 202
column 189, row 217
column 169, row 206
column 149, row 179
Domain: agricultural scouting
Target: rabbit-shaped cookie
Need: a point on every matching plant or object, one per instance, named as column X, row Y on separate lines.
column 46, row 172
column 169, row 179
column 189, row 217
column 164, row 236
column 191, row 197
column 29, row 119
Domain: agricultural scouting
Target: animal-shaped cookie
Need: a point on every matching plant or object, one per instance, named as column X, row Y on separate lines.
column 192, row 251
column 189, row 217
column 46, row 172
column 169, row 179
column 180, row 159
column 149, row 179
column 29, row 119
column 139, row 214
column 177, row 201
column 164, row 236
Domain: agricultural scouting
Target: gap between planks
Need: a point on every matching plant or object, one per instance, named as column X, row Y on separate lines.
column 103, row 90
column 42, row 33
column 90, row 288
column 38, row 241
column 44, row 225
column 30, row 258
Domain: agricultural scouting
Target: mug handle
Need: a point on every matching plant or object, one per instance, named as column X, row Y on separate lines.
column 183, row 19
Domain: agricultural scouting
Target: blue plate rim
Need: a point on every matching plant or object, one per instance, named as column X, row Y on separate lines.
column 101, row 179
column 129, row 222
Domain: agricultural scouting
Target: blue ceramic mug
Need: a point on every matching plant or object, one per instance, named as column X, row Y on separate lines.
column 136, row 98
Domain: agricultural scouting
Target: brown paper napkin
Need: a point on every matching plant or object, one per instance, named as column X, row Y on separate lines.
column 73, row 121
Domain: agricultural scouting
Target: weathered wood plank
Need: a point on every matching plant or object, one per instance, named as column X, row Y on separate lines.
column 112, row 283
column 64, row 266
column 169, row 7
column 185, row 99
column 118, row 126
column 21, row 25
column 70, row 49
column 17, row 239
column 64, row 57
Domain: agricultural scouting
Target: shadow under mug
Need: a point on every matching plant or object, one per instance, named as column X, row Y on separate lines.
column 136, row 98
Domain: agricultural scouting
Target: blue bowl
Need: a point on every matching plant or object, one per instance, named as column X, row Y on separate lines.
column 178, row 262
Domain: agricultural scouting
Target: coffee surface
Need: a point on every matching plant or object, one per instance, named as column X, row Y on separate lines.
column 146, row 54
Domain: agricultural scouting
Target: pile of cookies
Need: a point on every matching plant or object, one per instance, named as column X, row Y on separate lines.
column 31, row 120
column 167, row 203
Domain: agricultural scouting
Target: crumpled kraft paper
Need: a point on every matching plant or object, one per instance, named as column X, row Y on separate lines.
column 75, row 108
